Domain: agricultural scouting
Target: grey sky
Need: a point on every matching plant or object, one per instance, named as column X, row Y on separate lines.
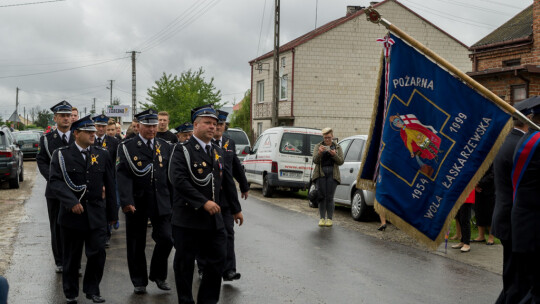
column 219, row 35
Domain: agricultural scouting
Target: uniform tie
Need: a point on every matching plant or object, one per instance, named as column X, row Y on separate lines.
column 149, row 144
column 217, row 142
column 99, row 141
column 209, row 151
column 85, row 153
column 64, row 140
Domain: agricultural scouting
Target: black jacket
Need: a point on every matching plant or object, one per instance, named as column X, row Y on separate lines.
column 148, row 192
column 43, row 158
column 525, row 219
column 237, row 168
column 110, row 144
column 189, row 197
column 95, row 173
column 502, row 168
column 167, row 136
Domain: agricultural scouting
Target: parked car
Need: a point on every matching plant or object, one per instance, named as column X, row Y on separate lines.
column 11, row 159
column 240, row 139
column 361, row 201
column 282, row 157
column 28, row 141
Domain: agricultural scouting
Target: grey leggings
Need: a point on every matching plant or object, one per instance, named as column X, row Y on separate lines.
column 327, row 187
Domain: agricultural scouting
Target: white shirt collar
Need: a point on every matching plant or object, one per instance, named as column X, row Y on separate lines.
column 102, row 137
column 520, row 130
column 202, row 143
column 80, row 148
column 145, row 140
column 68, row 133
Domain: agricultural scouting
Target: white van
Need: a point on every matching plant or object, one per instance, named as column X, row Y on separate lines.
column 281, row 157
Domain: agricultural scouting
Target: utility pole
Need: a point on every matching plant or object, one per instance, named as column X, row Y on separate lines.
column 133, row 84
column 111, row 81
column 17, row 101
column 93, row 107
column 84, row 111
column 24, row 116
column 275, row 91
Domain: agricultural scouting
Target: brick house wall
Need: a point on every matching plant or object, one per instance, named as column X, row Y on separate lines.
column 335, row 74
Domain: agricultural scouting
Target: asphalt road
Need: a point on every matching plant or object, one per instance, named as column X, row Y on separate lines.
column 284, row 257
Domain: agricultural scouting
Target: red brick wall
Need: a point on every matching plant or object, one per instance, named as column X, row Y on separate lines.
column 501, row 85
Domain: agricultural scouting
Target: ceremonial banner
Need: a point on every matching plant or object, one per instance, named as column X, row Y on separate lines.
column 432, row 138
column 118, row 111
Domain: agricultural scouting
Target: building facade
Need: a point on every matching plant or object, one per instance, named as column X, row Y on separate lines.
column 328, row 76
column 507, row 61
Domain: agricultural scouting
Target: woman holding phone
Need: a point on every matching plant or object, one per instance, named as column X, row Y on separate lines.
column 327, row 156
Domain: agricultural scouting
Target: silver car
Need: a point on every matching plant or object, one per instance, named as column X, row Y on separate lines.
column 361, row 201
column 241, row 139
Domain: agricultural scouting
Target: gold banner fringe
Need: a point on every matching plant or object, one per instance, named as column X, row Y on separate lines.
column 367, row 184
column 422, row 238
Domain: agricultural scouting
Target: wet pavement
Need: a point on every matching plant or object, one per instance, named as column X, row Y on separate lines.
column 284, row 257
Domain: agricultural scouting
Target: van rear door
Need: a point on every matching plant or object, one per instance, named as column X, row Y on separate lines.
column 295, row 150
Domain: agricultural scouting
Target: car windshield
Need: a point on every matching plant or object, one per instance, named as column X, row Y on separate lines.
column 26, row 136
column 239, row 137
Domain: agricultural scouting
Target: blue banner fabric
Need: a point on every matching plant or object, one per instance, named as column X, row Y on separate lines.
column 431, row 140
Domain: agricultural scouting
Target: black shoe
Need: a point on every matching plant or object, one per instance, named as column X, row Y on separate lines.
column 382, row 227
column 139, row 290
column 71, row 300
column 231, row 275
column 59, row 269
column 162, row 284
column 95, row 298
column 200, row 274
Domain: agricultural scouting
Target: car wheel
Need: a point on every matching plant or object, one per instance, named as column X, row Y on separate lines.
column 15, row 183
column 312, row 204
column 266, row 189
column 358, row 205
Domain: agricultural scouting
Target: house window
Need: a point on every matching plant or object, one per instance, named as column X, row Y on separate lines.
column 512, row 62
column 283, row 62
column 519, row 92
column 283, row 87
column 260, row 91
column 259, row 128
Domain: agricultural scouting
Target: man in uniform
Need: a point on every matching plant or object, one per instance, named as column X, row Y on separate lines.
column 47, row 144
column 501, row 227
column 198, row 175
column 184, row 132
column 78, row 174
column 108, row 143
column 233, row 165
column 163, row 128
column 525, row 218
column 142, row 174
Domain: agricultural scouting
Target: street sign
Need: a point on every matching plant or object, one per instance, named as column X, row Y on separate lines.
column 118, row 111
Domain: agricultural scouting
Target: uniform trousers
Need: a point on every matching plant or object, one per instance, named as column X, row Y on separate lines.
column 136, row 226
column 509, row 292
column 209, row 244
column 528, row 276
column 230, row 260
column 53, row 208
column 94, row 245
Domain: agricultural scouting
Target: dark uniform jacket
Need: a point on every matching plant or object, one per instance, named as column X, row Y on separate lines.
column 43, row 158
column 148, row 192
column 526, row 210
column 189, row 197
column 110, row 144
column 502, row 168
column 95, row 172
column 237, row 169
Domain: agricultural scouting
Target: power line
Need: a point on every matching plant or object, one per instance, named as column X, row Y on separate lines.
column 446, row 16
column 30, row 3
column 260, row 31
column 61, row 70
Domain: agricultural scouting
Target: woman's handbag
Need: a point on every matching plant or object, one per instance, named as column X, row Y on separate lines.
column 313, row 194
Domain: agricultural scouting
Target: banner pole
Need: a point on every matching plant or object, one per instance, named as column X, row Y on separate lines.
column 374, row 16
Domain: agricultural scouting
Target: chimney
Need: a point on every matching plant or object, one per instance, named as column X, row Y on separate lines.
column 372, row 3
column 352, row 9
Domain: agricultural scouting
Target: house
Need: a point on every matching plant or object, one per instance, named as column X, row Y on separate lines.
column 507, row 61
column 328, row 76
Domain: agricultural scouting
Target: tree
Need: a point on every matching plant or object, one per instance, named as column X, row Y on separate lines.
column 241, row 118
column 178, row 95
column 43, row 118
